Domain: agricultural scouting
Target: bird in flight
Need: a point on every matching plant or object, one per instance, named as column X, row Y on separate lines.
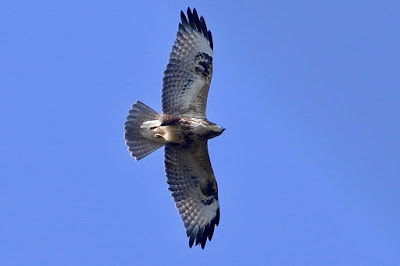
column 183, row 129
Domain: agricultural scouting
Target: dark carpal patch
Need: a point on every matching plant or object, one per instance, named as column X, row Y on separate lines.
column 204, row 67
column 209, row 188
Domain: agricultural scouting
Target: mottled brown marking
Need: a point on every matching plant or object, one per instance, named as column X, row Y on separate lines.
column 204, row 67
column 169, row 120
column 209, row 188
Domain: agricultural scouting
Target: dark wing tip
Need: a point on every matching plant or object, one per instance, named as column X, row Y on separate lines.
column 204, row 233
column 183, row 19
column 195, row 23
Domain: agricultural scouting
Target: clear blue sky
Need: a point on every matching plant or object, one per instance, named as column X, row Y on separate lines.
column 308, row 168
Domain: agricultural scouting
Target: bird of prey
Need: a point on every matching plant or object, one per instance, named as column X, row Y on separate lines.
column 183, row 129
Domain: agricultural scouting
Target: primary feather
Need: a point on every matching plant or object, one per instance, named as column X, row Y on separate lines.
column 188, row 75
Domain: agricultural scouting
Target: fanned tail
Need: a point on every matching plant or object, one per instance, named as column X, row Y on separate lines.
column 139, row 146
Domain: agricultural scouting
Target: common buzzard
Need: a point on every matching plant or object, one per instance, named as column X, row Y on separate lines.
column 183, row 129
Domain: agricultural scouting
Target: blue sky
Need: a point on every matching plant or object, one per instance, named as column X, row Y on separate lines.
column 308, row 168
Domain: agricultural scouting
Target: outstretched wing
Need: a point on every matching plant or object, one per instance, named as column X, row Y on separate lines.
column 188, row 75
column 194, row 188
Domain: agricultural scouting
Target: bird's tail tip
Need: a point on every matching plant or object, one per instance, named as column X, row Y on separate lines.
column 139, row 146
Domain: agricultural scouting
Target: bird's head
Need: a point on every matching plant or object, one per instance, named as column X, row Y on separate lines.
column 216, row 130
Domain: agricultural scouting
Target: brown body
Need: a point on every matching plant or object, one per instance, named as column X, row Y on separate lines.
column 174, row 130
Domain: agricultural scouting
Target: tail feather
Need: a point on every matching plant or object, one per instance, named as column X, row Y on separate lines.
column 139, row 146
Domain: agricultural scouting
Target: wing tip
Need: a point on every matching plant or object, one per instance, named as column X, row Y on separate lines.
column 195, row 23
column 200, row 236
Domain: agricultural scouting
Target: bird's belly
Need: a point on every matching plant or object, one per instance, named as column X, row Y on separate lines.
column 153, row 130
column 171, row 134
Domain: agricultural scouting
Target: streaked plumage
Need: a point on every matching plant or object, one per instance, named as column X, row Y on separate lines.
column 183, row 129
